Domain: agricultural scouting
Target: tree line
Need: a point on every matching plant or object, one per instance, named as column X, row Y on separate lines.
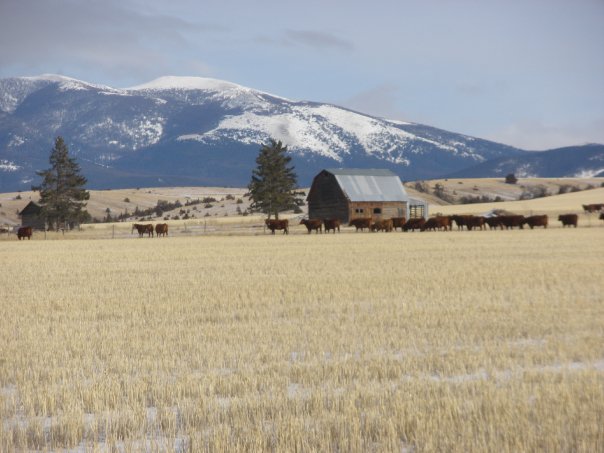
column 273, row 187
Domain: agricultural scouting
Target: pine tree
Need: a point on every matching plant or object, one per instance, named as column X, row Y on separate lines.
column 62, row 192
column 273, row 186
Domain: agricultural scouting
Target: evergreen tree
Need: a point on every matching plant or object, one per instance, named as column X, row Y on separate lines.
column 273, row 186
column 62, row 192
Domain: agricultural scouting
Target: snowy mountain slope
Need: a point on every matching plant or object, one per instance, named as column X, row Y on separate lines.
column 585, row 161
column 177, row 130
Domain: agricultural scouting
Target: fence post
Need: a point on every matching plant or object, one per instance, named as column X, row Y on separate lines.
column 113, row 232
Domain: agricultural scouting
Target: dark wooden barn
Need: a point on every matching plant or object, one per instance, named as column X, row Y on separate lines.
column 31, row 216
column 350, row 193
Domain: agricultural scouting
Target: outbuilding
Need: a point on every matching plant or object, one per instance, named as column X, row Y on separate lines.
column 350, row 193
column 31, row 216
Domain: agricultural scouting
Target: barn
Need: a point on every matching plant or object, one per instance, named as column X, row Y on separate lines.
column 350, row 193
column 31, row 216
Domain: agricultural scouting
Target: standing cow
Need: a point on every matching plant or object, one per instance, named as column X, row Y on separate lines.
column 274, row 224
column 161, row 229
column 361, row 224
column 331, row 224
column 25, row 232
column 569, row 220
column 312, row 224
column 536, row 220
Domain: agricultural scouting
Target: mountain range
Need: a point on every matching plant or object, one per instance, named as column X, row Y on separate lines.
column 177, row 131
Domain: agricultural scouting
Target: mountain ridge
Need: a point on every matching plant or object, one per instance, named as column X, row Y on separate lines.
column 190, row 130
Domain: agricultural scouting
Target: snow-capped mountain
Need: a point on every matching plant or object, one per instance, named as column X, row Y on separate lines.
column 190, row 130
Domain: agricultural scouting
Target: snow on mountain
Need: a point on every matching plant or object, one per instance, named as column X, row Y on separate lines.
column 187, row 83
column 197, row 130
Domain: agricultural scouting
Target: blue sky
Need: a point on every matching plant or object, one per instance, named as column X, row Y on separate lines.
column 526, row 73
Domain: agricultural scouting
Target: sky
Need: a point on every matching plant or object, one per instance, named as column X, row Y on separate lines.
column 527, row 73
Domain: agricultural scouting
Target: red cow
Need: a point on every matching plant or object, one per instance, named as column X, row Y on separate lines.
column 361, row 223
column 437, row 223
column 382, row 225
column 473, row 221
column 536, row 220
column 593, row 207
column 568, row 220
column 331, row 224
column 274, row 224
column 398, row 222
column 414, row 224
column 494, row 222
column 142, row 229
column 161, row 229
column 25, row 232
column 312, row 224
column 511, row 221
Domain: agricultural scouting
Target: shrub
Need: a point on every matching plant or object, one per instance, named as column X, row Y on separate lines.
column 208, row 206
column 230, row 197
column 126, row 200
column 240, row 200
column 421, row 186
column 511, row 178
column 208, row 200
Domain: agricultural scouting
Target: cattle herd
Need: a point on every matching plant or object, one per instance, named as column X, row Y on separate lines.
column 440, row 222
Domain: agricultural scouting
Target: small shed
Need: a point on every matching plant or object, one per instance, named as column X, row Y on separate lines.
column 31, row 216
column 350, row 193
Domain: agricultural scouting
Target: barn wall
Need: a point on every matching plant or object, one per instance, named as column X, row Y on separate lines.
column 389, row 209
column 33, row 221
column 326, row 200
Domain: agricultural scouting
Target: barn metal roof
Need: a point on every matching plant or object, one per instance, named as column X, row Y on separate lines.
column 369, row 184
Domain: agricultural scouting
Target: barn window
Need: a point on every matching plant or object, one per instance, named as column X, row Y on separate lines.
column 377, row 210
column 359, row 210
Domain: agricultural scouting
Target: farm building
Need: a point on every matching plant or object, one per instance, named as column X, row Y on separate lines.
column 30, row 216
column 350, row 193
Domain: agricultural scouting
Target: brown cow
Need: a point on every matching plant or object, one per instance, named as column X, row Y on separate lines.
column 414, row 224
column 593, row 207
column 473, row 221
column 161, row 229
column 274, row 224
column 332, row 224
column 511, row 221
column 142, row 229
column 361, row 223
column 25, row 232
column 437, row 223
column 568, row 220
column 469, row 221
column 494, row 222
column 382, row 225
column 312, row 224
column 536, row 220
column 398, row 222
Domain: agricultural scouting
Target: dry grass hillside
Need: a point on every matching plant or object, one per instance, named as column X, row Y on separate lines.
column 122, row 200
column 455, row 190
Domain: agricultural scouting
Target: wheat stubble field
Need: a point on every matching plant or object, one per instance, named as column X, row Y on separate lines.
column 476, row 341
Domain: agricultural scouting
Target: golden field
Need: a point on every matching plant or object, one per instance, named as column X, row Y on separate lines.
column 417, row 342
